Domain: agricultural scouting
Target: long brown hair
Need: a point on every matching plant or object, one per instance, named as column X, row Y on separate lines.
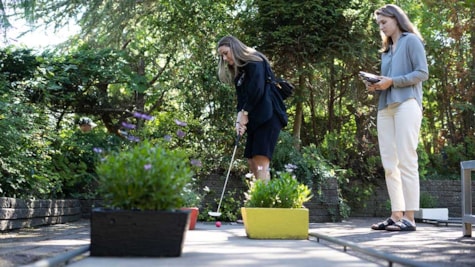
column 403, row 22
column 241, row 53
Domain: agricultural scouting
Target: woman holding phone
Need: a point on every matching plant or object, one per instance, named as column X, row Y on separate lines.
column 403, row 69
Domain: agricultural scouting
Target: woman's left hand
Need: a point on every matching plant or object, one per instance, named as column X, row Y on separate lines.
column 241, row 123
column 240, row 129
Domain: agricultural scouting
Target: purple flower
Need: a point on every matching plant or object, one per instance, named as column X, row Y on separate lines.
column 138, row 115
column 97, row 150
column 167, row 138
column 128, row 125
column 180, row 134
column 180, row 123
column 143, row 116
column 147, row 166
column 147, row 117
column 196, row 162
column 133, row 138
column 290, row 167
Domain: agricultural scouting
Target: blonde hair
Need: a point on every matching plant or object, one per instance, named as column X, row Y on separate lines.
column 241, row 54
column 403, row 22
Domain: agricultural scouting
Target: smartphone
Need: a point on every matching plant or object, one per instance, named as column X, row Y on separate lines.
column 369, row 77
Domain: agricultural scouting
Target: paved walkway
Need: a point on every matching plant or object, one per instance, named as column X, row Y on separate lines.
column 28, row 245
column 436, row 245
column 228, row 246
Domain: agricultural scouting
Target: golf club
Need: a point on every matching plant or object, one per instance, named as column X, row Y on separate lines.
column 217, row 213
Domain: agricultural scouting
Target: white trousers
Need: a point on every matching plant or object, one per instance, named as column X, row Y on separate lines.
column 398, row 135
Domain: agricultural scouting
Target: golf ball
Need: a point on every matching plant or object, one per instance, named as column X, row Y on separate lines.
column 218, row 224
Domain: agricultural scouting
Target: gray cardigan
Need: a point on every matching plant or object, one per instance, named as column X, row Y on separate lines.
column 407, row 66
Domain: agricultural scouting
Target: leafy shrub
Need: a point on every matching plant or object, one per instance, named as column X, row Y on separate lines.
column 306, row 163
column 311, row 168
column 446, row 164
column 192, row 195
column 230, row 208
column 25, row 150
column 427, row 201
column 76, row 161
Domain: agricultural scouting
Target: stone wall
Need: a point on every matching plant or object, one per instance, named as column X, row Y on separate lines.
column 448, row 194
column 323, row 207
column 19, row 213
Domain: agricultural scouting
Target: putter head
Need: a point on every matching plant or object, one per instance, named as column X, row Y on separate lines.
column 214, row 214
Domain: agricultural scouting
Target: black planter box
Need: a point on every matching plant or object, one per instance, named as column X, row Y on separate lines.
column 123, row 233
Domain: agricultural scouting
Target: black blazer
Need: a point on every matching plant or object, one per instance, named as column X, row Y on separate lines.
column 256, row 96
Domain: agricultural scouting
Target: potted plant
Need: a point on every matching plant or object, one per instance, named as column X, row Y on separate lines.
column 143, row 189
column 193, row 198
column 274, row 209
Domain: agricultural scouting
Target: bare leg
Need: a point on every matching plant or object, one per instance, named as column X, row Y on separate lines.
column 396, row 215
column 410, row 216
column 259, row 166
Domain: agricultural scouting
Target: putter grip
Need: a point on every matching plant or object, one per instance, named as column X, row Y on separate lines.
column 238, row 137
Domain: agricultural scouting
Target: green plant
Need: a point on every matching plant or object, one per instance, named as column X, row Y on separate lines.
column 230, row 208
column 387, row 205
column 282, row 192
column 26, row 150
column 427, row 201
column 192, row 195
column 145, row 177
column 344, row 208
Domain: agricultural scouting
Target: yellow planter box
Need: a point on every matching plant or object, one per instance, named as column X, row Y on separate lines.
column 275, row 223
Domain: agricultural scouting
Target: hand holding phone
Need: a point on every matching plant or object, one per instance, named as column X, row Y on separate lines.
column 369, row 77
